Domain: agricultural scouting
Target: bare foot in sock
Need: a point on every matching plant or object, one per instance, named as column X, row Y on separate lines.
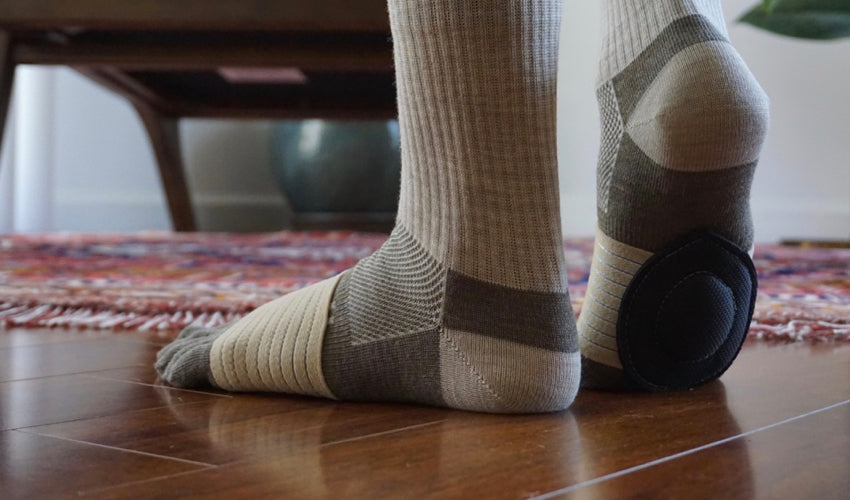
column 672, row 288
column 466, row 305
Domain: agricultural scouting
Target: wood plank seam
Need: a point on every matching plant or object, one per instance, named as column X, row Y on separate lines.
column 669, row 458
column 116, row 448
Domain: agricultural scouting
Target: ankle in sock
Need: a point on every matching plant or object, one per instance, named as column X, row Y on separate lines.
column 671, row 290
column 466, row 305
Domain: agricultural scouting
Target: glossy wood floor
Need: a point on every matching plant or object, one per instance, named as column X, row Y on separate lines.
column 82, row 414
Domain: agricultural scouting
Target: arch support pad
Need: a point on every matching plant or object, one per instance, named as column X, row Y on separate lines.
column 686, row 313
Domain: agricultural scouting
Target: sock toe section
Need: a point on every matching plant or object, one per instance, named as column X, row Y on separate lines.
column 277, row 347
column 195, row 331
column 185, row 361
column 189, row 367
column 164, row 355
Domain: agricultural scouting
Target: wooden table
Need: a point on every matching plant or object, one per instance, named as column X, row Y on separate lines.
column 209, row 59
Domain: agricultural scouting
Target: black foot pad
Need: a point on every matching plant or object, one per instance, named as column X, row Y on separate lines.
column 686, row 313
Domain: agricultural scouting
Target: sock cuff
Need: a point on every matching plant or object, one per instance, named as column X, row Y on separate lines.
column 278, row 347
column 466, row 133
column 630, row 26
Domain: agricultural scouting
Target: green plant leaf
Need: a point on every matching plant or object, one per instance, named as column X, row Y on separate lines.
column 813, row 19
column 768, row 4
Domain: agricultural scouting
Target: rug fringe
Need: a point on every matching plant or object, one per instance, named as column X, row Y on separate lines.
column 799, row 330
column 93, row 318
column 49, row 316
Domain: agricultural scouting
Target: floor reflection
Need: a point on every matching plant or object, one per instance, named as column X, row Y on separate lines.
column 628, row 432
column 321, row 449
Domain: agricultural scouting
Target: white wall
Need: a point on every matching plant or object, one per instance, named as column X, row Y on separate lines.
column 106, row 177
column 106, row 180
column 802, row 187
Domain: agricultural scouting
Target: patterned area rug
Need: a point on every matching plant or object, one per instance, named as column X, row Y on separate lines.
column 164, row 281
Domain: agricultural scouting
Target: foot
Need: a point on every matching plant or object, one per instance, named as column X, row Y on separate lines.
column 399, row 326
column 466, row 304
column 672, row 288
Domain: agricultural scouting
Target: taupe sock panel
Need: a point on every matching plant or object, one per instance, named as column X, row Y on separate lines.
column 631, row 83
column 648, row 205
column 366, row 358
column 538, row 319
column 401, row 369
column 382, row 343
column 394, row 292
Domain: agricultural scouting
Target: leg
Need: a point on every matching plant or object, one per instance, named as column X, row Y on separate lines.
column 672, row 287
column 7, row 78
column 164, row 135
column 466, row 305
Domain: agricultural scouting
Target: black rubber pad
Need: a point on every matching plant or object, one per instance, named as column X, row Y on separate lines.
column 686, row 313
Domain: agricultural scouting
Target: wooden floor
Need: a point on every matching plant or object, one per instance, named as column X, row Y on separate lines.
column 82, row 414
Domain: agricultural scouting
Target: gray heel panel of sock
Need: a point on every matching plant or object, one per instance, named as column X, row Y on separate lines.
column 686, row 313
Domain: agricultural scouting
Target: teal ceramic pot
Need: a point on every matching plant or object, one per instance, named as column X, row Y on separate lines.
column 338, row 166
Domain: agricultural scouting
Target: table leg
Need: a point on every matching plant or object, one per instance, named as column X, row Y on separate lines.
column 164, row 134
column 7, row 78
